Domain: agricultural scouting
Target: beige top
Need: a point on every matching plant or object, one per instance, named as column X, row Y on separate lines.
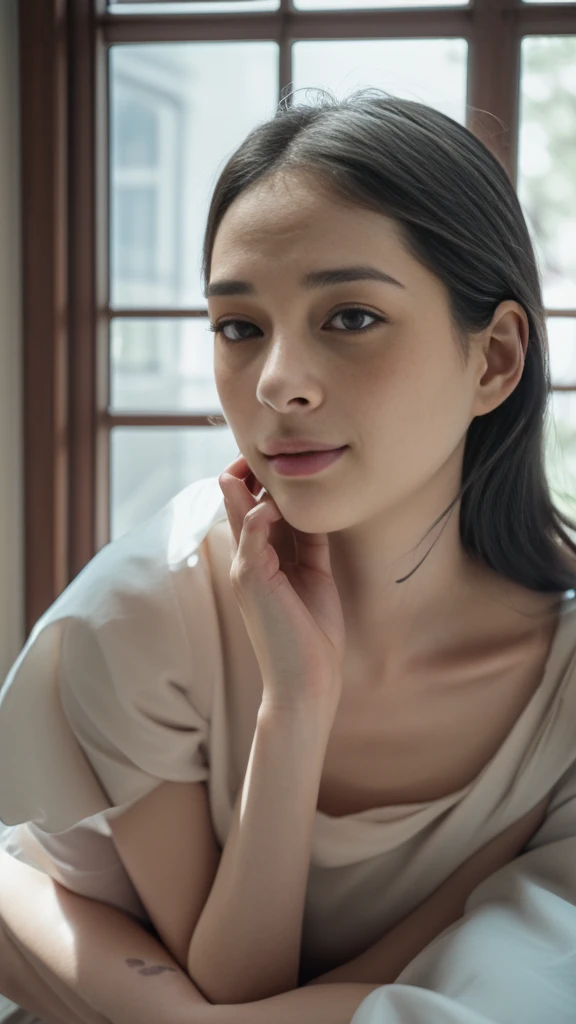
column 122, row 684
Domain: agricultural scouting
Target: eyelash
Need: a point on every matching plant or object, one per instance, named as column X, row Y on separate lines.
column 219, row 328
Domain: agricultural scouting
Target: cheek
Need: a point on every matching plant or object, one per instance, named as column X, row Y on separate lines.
column 413, row 415
column 231, row 388
column 427, row 383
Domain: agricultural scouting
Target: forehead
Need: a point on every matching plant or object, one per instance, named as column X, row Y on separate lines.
column 290, row 213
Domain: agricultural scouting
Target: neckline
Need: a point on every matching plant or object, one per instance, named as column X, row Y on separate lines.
column 396, row 811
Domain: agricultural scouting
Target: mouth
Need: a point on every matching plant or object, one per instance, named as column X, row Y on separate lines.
column 305, row 463
column 306, row 451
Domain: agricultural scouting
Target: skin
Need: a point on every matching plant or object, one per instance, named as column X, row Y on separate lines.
column 398, row 393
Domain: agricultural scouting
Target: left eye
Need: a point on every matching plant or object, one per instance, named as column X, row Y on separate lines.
column 356, row 316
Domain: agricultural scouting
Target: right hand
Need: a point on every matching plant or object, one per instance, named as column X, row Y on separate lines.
column 282, row 581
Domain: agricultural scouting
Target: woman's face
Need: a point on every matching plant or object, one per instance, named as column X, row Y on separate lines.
column 363, row 362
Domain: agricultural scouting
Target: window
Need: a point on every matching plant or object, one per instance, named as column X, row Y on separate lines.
column 146, row 101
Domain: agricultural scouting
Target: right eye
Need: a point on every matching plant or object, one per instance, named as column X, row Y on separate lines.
column 220, row 329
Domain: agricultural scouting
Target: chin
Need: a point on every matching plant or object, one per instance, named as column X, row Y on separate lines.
column 311, row 520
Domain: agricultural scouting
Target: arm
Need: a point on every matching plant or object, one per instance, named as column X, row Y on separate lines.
column 389, row 955
column 512, row 955
column 247, row 941
column 87, row 946
column 387, row 958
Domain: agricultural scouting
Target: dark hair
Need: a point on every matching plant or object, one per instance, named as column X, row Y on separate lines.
column 459, row 216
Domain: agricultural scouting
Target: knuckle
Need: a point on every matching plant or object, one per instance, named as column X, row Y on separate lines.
column 251, row 519
column 239, row 573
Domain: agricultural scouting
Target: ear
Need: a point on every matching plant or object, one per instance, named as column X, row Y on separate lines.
column 502, row 356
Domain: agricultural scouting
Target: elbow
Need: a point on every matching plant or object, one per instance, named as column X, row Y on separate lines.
column 190, row 965
column 220, row 988
column 205, row 995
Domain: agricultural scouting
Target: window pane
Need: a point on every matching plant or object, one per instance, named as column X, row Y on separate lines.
column 560, row 438
column 430, row 71
column 149, row 465
column 547, row 161
column 178, row 110
column 560, row 427
column 162, row 365
column 562, row 349
column 218, row 7
column 338, row 5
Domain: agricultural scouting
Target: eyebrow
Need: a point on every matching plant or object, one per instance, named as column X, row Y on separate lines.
column 315, row 279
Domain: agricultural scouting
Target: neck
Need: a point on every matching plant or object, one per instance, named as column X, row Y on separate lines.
column 400, row 620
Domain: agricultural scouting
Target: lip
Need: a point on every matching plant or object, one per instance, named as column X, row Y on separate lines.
column 305, row 464
column 295, row 445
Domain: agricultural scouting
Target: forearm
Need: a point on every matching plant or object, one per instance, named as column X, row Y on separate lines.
column 106, row 939
column 382, row 962
column 246, row 944
column 86, row 946
column 326, row 1004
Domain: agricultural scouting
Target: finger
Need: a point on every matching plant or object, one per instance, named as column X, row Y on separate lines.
column 254, row 486
column 257, row 557
column 251, row 489
column 311, row 551
column 233, row 530
column 238, row 502
column 240, row 469
column 234, row 520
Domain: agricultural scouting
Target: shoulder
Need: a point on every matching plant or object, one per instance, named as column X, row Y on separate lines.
column 117, row 668
column 141, row 613
column 131, row 577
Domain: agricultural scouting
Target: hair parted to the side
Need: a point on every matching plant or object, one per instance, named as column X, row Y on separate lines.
column 459, row 216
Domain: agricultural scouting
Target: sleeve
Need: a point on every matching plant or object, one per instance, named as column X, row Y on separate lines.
column 511, row 957
column 112, row 693
column 128, row 696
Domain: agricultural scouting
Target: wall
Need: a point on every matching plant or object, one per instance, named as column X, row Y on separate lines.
column 11, row 472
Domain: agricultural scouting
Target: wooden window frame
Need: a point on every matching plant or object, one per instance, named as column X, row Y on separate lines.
column 63, row 48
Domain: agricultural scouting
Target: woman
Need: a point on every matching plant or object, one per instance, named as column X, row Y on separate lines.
column 351, row 686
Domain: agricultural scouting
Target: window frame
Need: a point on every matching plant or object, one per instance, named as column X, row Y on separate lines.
column 64, row 103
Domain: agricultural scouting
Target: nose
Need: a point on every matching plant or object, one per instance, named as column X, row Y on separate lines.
column 288, row 376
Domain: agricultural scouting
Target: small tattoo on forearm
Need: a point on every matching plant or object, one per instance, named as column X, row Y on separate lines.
column 157, row 969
